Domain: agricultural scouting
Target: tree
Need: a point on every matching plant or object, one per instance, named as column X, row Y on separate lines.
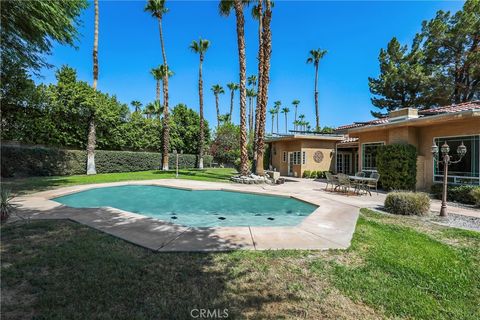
column 301, row 122
column 265, row 51
column 224, row 118
column 30, row 27
column 157, row 9
column 91, row 126
column 200, row 47
column 257, row 14
column 401, row 79
column 217, row 89
column 314, row 58
column 442, row 66
column 158, row 76
column 285, row 111
column 154, row 108
column 137, row 105
column 251, row 94
column 225, row 147
column 295, row 105
column 272, row 112
column 225, row 8
column 185, row 129
column 233, row 87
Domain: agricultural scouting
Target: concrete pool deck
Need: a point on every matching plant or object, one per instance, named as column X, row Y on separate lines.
column 330, row 226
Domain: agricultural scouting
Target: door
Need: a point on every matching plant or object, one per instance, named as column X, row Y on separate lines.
column 290, row 164
column 344, row 162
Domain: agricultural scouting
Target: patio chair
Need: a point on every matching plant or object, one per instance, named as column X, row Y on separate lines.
column 344, row 182
column 373, row 183
column 331, row 180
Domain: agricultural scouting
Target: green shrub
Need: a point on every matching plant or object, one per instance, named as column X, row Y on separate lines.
column 475, row 193
column 407, row 203
column 18, row 161
column 306, row 174
column 313, row 174
column 397, row 166
column 461, row 194
column 321, row 174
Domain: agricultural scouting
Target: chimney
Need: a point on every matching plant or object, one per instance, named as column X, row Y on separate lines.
column 402, row 114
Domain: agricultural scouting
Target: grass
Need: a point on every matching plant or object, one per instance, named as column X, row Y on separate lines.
column 397, row 267
column 34, row 184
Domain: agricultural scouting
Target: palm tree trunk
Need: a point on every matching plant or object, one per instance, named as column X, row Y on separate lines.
column 243, row 93
column 260, row 83
column 200, row 97
column 277, row 115
column 273, row 122
column 250, row 115
column 295, row 123
column 92, row 135
column 286, row 124
column 317, row 118
column 166, row 126
column 267, row 51
column 158, row 90
column 232, row 92
column 218, row 110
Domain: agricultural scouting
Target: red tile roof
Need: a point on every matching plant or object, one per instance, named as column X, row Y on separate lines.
column 472, row 105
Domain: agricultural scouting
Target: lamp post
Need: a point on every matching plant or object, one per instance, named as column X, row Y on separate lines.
column 446, row 161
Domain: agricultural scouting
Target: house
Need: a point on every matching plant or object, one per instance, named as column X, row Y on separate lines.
column 353, row 148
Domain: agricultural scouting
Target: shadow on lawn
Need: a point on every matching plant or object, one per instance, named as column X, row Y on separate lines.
column 89, row 273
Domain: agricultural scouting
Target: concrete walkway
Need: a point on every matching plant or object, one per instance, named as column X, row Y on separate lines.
column 330, row 226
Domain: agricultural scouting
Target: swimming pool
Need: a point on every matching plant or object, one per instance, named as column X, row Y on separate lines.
column 195, row 208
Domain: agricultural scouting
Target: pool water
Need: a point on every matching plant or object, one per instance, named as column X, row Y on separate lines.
column 195, row 208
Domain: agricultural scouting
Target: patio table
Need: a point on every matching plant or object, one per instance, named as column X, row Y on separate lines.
column 361, row 179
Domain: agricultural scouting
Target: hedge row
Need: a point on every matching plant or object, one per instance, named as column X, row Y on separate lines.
column 397, row 166
column 462, row 194
column 20, row 161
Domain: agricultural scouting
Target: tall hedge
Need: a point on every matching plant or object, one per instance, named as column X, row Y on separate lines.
column 397, row 166
column 21, row 161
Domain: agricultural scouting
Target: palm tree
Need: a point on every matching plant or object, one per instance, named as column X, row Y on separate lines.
column 250, row 94
column 315, row 57
column 154, row 108
column 277, row 105
column 157, row 9
column 295, row 105
column 137, row 105
column 272, row 112
column 257, row 14
column 217, row 89
column 92, row 134
column 265, row 51
column 300, row 121
column 158, row 76
column 285, row 111
column 224, row 118
column 233, row 87
column 200, row 47
column 225, row 8
column 252, row 80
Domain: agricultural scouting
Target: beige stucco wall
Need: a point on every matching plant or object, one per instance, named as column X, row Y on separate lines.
column 421, row 137
column 327, row 147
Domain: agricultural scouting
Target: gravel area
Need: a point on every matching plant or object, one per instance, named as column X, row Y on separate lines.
column 458, row 221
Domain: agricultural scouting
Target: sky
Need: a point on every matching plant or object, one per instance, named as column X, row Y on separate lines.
column 352, row 32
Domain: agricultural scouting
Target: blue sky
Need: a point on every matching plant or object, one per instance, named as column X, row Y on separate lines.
column 352, row 32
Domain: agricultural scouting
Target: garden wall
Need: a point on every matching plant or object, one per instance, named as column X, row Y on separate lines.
column 24, row 161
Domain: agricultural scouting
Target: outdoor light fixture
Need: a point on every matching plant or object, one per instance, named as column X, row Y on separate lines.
column 446, row 161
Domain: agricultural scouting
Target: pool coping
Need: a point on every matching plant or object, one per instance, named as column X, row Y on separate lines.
column 330, row 226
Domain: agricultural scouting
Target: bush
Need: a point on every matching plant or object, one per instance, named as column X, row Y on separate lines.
column 407, row 203
column 306, row 174
column 18, row 161
column 321, row 175
column 313, row 174
column 475, row 193
column 461, row 194
column 397, row 166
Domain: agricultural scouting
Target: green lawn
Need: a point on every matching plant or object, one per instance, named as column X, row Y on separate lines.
column 397, row 267
column 43, row 183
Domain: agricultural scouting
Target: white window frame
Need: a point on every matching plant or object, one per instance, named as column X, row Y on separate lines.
column 456, row 179
column 285, row 156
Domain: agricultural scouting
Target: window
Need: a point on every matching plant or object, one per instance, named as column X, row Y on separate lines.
column 467, row 170
column 284, row 156
column 304, row 157
column 296, row 157
column 369, row 155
